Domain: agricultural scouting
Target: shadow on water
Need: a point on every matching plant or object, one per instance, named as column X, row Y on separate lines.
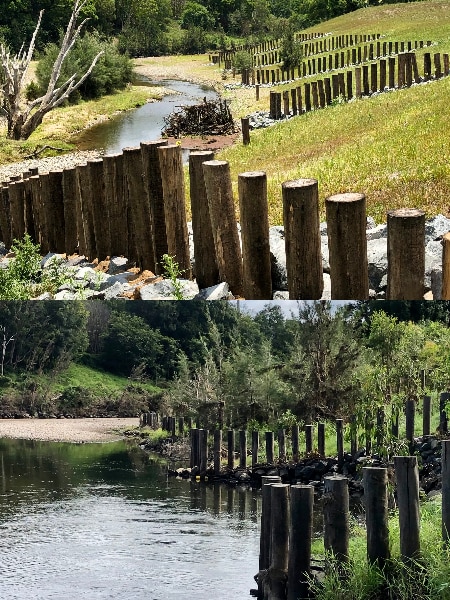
column 144, row 123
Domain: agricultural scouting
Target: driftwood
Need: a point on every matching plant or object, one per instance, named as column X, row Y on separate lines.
column 211, row 117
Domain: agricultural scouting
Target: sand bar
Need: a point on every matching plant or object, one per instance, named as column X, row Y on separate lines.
column 66, row 430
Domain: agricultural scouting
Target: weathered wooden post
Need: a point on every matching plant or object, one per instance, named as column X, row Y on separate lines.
column 243, row 448
column 321, row 438
column 405, row 254
column 255, row 447
column 172, row 177
column 154, row 187
column 443, row 421
column 69, row 189
column 302, row 239
column 206, row 269
column 279, row 540
column 300, row 538
column 347, row 241
column 358, row 92
column 375, row 482
column 231, row 437
column 116, row 201
column 257, row 282
column 16, row 209
column 269, row 446
column 5, row 218
column 141, row 247
column 266, row 515
column 99, row 209
column 446, row 267
column 281, row 445
column 309, row 438
column 445, row 465
column 203, row 452
column 426, row 415
column 336, row 516
column 407, row 478
column 223, row 220
column 245, row 127
column 217, row 451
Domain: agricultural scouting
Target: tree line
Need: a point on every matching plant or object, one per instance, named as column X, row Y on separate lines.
column 321, row 362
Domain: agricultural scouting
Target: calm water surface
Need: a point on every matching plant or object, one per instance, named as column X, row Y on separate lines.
column 144, row 123
column 101, row 521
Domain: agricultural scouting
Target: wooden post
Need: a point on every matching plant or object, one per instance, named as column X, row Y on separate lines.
column 16, row 209
column 266, row 516
column 217, row 451
column 405, row 254
column 391, row 65
column 28, row 208
column 445, row 466
column 410, row 412
column 269, row 446
column 336, row 516
column 321, row 438
column 252, row 189
column 426, row 415
column 195, row 448
column 427, row 66
column 315, row 96
column 172, row 177
column 154, row 188
column 279, row 540
column 245, row 126
column 223, row 220
column 231, row 446
column 446, row 266
column 181, row 426
column 307, row 96
column 281, row 445
column 375, row 482
column 407, row 478
column 382, row 75
column 374, row 77
column 295, row 446
column 286, row 110
column 327, row 85
column 309, row 429
column 349, row 85
column 322, row 100
column 116, row 201
column 255, row 447
column 243, row 449
column 299, row 100
column 443, row 422
column 302, row 239
column 69, row 188
column 300, row 538
column 437, row 66
column 99, row 208
column 206, row 269
column 203, row 452
column 294, row 101
column 5, row 218
column 346, row 226
column 358, row 91
column 257, row 91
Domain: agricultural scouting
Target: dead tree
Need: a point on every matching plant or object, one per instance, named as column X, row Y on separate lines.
column 23, row 118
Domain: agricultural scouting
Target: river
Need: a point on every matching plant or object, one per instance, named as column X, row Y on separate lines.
column 103, row 521
column 144, row 123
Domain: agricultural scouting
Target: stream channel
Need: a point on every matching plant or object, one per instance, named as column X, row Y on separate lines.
column 145, row 123
column 104, row 521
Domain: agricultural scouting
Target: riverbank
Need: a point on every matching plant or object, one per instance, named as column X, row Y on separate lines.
column 78, row 431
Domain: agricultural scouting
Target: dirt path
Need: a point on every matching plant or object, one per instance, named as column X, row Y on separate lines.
column 66, row 430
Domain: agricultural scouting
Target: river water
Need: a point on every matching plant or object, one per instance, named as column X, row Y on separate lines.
column 145, row 123
column 103, row 521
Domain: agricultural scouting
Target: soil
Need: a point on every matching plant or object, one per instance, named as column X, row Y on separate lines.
column 207, row 142
column 67, row 430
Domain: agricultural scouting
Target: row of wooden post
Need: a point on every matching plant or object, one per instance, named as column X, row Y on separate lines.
column 286, row 531
column 313, row 95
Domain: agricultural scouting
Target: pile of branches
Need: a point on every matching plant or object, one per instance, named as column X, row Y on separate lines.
column 211, row 117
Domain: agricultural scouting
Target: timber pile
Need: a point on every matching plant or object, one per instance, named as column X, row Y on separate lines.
column 211, row 117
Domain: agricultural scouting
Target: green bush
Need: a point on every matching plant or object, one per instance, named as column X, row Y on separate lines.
column 242, row 60
column 112, row 72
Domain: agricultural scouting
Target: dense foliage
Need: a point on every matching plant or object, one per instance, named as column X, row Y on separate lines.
column 322, row 362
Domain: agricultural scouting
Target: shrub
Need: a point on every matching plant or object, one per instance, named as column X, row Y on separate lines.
column 242, row 60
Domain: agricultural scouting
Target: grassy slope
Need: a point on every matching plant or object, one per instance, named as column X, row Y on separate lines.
column 394, row 147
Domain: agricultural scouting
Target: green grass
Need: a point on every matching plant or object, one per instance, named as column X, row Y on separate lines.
column 393, row 147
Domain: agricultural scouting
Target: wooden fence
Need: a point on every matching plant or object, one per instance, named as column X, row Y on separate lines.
column 286, row 533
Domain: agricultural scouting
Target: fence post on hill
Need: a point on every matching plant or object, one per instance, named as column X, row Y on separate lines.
column 253, row 206
column 69, row 185
column 154, row 187
column 445, row 457
column 346, row 226
column 437, row 66
column 358, row 93
column 376, row 506
column 426, row 415
column 391, row 64
column 116, row 202
column 172, row 177
column 100, row 211
column 223, row 220
column 446, row 266
column 206, row 269
column 302, row 239
column 382, row 75
column 427, row 66
column 300, row 539
column 407, row 478
column 141, row 248
column 405, row 254
column 336, row 516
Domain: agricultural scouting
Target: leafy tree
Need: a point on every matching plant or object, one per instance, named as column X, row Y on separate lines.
column 144, row 24
column 291, row 52
column 196, row 15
